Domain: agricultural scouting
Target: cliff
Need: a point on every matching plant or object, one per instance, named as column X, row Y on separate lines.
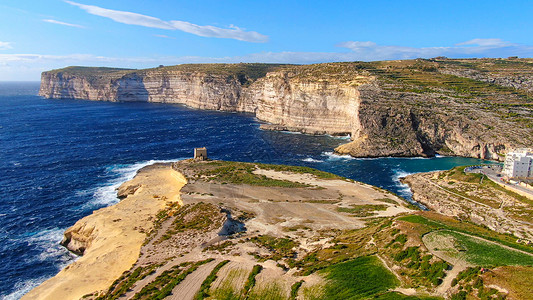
column 110, row 239
column 476, row 108
column 474, row 198
column 259, row 231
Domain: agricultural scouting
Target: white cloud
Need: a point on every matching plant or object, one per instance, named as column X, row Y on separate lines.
column 62, row 23
column 30, row 66
column 147, row 21
column 5, row 45
column 487, row 43
column 472, row 48
column 164, row 36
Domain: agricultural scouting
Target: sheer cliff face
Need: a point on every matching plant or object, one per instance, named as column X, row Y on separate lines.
column 290, row 102
column 280, row 98
column 397, row 108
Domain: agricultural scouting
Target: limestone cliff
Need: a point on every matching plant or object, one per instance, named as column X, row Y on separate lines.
column 477, row 108
column 110, row 239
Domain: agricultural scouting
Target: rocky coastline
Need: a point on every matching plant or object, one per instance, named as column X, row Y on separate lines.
column 110, row 239
column 396, row 108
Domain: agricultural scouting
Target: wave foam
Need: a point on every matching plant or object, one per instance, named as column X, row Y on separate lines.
column 334, row 156
column 106, row 194
column 403, row 189
column 312, row 160
column 23, row 288
column 47, row 241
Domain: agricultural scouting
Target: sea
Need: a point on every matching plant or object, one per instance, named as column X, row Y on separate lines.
column 62, row 159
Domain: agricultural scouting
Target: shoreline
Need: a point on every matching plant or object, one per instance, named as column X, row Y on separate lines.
column 111, row 237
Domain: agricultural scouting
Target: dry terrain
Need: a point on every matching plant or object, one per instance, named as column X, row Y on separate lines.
column 257, row 231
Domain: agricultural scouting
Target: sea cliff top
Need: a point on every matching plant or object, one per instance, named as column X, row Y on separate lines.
column 248, row 230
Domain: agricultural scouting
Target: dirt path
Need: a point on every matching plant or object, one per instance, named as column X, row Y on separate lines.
column 450, row 275
column 191, row 284
column 459, row 263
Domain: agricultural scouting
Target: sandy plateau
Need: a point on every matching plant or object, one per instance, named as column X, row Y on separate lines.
column 112, row 236
column 231, row 230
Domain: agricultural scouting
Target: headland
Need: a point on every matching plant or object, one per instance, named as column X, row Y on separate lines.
column 477, row 108
column 229, row 230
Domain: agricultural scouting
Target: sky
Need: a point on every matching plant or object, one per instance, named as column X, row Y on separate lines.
column 40, row 35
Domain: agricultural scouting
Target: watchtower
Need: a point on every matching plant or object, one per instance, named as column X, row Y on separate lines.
column 200, row 153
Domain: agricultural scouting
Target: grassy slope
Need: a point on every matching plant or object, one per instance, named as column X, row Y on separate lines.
column 485, row 254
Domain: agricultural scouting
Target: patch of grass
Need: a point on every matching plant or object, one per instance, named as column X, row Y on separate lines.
column 226, row 290
column 295, row 228
column 438, row 222
column 206, row 285
column 250, row 281
column 400, row 296
column 126, row 281
column 348, row 245
column 362, row 210
column 272, row 291
column 294, row 289
column 487, row 254
column 470, row 284
column 301, row 170
column 198, row 216
column 387, row 200
column 163, row 285
column 221, row 247
column 518, row 280
column 412, row 258
column 279, row 247
column 242, row 173
column 360, row 278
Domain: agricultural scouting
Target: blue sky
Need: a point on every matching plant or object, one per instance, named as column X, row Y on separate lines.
column 38, row 35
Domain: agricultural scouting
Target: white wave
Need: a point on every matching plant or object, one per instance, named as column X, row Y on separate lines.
column 23, row 288
column 47, row 241
column 290, row 132
column 106, row 194
column 340, row 137
column 334, row 156
column 310, row 159
column 401, row 174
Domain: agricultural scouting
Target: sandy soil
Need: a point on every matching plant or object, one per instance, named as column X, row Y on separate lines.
column 191, row 284
column 115, row 235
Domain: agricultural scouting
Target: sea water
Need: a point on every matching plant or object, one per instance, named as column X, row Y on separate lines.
column 62, row 159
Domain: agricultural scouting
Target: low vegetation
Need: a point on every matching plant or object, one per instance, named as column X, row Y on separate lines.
column 242, row 173
column 206, row 284
column 163, row 284
column 250, row 282
column 357, row 279
column 433, row 222
column 482, row 253
column 278, row 247
column 362, row 210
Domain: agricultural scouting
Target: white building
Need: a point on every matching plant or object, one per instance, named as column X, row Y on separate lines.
column 519, row 163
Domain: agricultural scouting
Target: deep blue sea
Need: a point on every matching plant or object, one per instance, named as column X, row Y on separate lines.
column 62, row 159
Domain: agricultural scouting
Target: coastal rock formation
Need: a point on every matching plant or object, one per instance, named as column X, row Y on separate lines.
column 475, row 108
column 110, row 239
column 466, row 197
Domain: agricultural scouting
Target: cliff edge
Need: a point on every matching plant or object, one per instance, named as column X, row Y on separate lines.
column 110, row 239
column 471, row 107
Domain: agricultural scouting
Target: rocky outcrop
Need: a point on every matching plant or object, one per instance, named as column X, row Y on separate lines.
column 388, row 110
column 110, row 238
column 484, row 205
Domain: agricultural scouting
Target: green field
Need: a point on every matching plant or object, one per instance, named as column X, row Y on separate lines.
column 357, row 279
column 483, row 253
column 466, row 227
